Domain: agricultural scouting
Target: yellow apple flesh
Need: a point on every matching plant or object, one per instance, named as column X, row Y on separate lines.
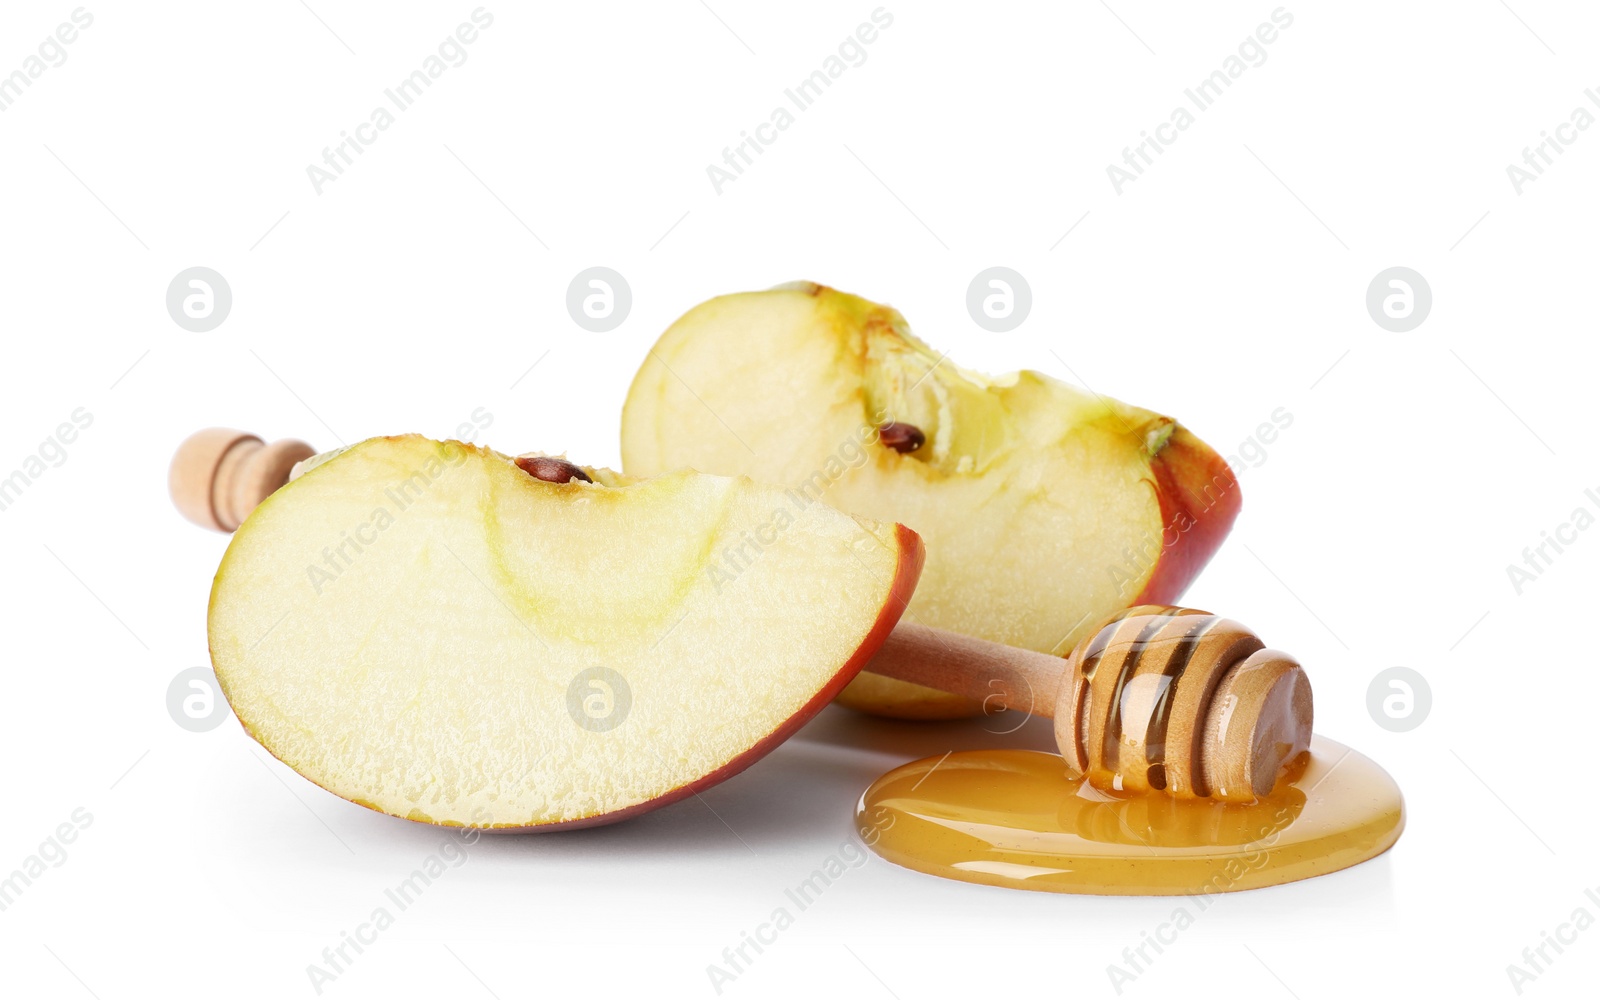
column 1044, row 507
column 427, row 630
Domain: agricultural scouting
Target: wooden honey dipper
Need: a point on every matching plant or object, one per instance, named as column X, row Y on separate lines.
column 1157, row 699
column 219, row 475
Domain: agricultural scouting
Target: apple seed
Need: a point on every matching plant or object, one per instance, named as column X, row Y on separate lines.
column 551, row 470
column 904, row 438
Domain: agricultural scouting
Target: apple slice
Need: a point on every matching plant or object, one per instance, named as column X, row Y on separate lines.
column 427, row 630
column 1045, row 508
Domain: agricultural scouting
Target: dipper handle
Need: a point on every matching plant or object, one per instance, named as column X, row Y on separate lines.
column 219, row 475
column 1001, row 677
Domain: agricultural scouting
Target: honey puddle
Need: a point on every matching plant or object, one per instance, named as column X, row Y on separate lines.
column 1014, row 818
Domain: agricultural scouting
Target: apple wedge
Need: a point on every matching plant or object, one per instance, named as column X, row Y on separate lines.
column 1045, row 508
column 428, row 630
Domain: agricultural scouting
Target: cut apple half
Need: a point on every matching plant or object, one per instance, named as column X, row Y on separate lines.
column 1045, row 507
column 427, row 630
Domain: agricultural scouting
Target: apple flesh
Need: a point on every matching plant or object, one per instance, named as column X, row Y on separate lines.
column 1045, row 508
column 427, row 630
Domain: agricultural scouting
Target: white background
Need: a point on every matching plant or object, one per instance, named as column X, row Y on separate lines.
column 1226, row 282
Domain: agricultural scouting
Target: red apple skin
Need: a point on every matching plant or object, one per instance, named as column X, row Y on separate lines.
column 908, row 567
column 1199, row 497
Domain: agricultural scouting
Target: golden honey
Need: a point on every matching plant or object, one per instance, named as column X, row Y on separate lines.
column 1017, row 818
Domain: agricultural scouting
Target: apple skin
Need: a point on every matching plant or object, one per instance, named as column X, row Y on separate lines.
column 1200, row 499
column 908, row 568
